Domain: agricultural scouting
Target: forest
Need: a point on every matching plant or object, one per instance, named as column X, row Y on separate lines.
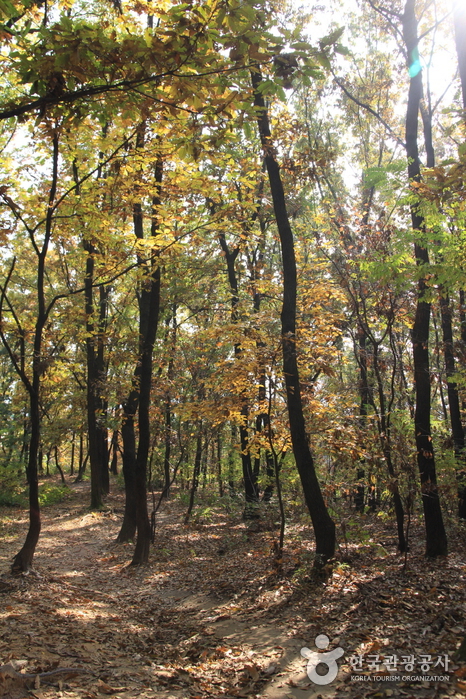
column 233, row 344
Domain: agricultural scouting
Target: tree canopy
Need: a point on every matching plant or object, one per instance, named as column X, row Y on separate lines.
column 233, row 241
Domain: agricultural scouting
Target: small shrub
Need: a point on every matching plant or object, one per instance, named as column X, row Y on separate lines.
column 52, row 494
column 11, row 485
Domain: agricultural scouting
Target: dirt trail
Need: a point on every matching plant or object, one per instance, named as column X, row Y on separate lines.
column 208, row 618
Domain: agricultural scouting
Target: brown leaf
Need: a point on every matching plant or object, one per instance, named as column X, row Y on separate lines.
column 105, row 688
column 252, row 671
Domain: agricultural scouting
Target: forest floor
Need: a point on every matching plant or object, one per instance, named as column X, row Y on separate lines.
column 209, row 617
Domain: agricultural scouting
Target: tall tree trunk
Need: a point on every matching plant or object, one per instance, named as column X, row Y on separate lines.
column 385, row 439
column 324, row 527
column 57, row 464
column 149, row 311
column 459, row 18
column 251, row 491
column 135, row 459
column 22, row 562
column 73, row 449
column 168, row 407
column 436, row 539
column 457, row 428
column 92, row 387
column 263, row 419
column 196, row 472
column 450, row 369
column 114, row 452
column 149, row 307
column 102, row 403
column 219, row 462
column 128, row 436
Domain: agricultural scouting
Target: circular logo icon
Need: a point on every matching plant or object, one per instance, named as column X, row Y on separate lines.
column 329, row 659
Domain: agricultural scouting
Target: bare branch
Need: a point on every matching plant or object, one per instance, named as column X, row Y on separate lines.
column 19, row 368
column 370, row 110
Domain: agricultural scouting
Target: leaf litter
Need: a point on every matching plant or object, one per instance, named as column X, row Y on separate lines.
column 209, row 617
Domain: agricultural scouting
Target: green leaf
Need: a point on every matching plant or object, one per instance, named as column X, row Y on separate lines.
column 331, row 38
column 322, row 58
column 301, row 46
column 343, row 50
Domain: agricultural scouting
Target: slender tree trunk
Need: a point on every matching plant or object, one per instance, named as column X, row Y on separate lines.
column 128, row 436
column 385, row 438
column 101, row 403
column 457, row 429
column 96, row 376
column 436, row 539
column 196, row 474
column 149, row 305
column 149, row 311
column 263, row 419
column 168, row 410
column 167, row 454
column 459, row 15
column 251, row 491
column 81, row 451
column 82, row 459
column 114, row 452
column 324, row 528
column 365, row 396
column 96, row 464
column 219, row 462
column 450, row 369
column 135, row 458
column 40, row 460
column 57, row 464
column 231, row 463
column 22, row 562
column 73, row 448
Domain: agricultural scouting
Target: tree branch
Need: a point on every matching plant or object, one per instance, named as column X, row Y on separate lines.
column 19, row 368
column 370, row 110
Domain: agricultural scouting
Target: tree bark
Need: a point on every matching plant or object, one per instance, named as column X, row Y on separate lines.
column 196, row 473
column 92, row 388
column 149, row 311
column 251, row 491
column 450, row 369
column 22, row 562
column 114, row 452
column 385, row 438
column 102, row 403
column 436, row 539
column 128, row 436
column 219, row 462
column 149, row 307
column 135, row 458
column 459, row 18
column 168, row 406
column 324, row 528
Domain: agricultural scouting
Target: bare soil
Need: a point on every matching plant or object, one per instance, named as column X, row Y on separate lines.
column 211, row 616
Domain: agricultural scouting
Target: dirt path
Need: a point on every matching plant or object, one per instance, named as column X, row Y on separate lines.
column 208, row 618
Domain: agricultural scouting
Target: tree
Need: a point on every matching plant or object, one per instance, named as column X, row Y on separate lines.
column 324, row 527
column 436, row 540
column 32, row 382
column 135, row 458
